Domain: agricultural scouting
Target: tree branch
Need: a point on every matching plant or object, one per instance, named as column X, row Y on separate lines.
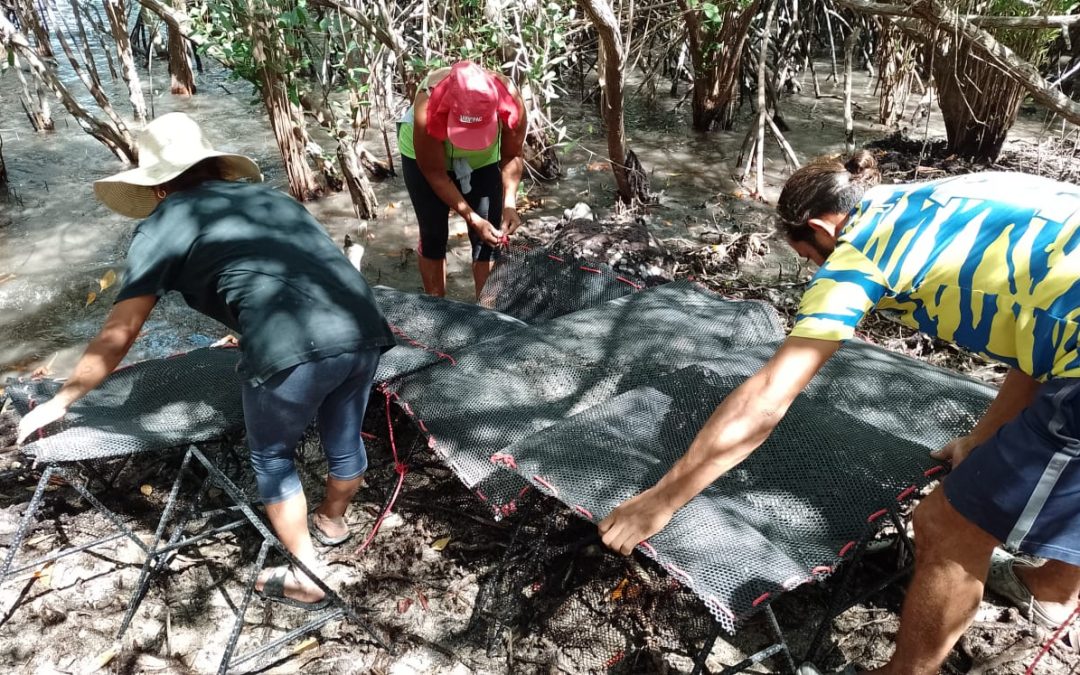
column 118, row 142
column 384, row 34
column 938, row 16
column 1026, row 22
column 177, row 20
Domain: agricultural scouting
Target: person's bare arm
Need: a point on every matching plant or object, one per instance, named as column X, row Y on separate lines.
column 101, row 357
column 431, row 159
column 1016, row 393
column 736, row 428
column 512, row 164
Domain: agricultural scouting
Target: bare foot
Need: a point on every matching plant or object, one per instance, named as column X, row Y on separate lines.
column 297, row 586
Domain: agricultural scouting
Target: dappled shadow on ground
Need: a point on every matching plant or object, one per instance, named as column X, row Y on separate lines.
column 446, row 584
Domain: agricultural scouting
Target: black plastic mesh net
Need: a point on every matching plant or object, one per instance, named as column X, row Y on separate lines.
column 787, row 514
column 152, row 405
column 503, row 390
column 535, row 285
column 592, row 401
column 900, row 395
column 429, row 329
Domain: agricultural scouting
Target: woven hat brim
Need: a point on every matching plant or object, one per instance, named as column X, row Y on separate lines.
column 131, row 193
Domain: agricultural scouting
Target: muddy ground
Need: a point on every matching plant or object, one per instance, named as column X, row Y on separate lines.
column 449, row 588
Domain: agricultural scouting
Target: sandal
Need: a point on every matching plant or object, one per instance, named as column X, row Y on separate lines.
column 1002, row 580
column 322, row 537
column 274, row 590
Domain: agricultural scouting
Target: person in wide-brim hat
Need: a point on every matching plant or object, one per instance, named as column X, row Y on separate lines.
column 168, row 146
column 254, row 259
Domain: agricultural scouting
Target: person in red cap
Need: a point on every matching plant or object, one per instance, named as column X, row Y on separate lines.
column 461, row 147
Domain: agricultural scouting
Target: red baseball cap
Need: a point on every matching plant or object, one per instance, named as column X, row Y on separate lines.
column 466, row 106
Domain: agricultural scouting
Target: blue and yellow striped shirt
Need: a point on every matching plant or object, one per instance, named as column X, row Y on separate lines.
column 988, row 261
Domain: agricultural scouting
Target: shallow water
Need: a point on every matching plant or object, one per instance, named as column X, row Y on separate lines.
column 57, row 242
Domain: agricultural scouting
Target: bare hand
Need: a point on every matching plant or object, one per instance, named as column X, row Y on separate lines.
column 41, row 416
column 956, row 450
column 226, row 342
column 634, row 521
column 487, row 232
column 511, row 221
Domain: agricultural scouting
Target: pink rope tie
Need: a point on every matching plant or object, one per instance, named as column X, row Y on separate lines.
column 876, row 514
column 1053, row 638
column 504, row 459
column 549, row 486
column 401, row 334
column 399, row 467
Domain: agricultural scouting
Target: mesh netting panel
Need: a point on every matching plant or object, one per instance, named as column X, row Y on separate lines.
column 430, row 329
column 501, row 391
column 535, row 285
column 900, row 395
column 150, row 406
column 786, row 515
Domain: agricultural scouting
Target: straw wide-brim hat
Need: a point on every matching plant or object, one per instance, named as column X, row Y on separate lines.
column 168, row 146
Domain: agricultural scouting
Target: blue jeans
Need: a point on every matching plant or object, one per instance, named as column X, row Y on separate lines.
column 277, row 412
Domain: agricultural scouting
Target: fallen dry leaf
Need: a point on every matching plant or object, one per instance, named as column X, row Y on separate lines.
column 440, row 544
column 147, row 490
column 44, row 575
column 305, row 645
column 617, row 593
column 107, row 280
column 103, row 659
column 423, row 599
column 90, row 298
column 403, row 605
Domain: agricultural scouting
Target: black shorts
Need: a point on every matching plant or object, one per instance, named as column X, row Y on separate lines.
column 433, row 215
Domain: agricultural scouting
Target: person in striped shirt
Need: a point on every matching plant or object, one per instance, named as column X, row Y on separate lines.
column 991, row 263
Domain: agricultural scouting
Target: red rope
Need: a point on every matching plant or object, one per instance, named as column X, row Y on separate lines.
column 1053, row 638
column 399, row 467
column 401, row 334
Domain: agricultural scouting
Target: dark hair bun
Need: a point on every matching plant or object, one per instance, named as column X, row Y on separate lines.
column 863, row 167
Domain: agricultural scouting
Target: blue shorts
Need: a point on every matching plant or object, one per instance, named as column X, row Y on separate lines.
column 1023, row 485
